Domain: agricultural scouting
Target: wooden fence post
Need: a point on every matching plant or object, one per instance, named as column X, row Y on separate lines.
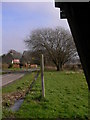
column 42, row 76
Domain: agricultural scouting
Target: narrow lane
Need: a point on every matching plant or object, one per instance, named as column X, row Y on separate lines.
column 8, row 78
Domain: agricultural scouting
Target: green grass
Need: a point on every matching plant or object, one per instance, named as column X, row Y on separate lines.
column 22, row 83
column 13, row 69
column 66, row 96
column 5, row 71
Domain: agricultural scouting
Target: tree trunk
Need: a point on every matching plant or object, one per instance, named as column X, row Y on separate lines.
column 59, row 67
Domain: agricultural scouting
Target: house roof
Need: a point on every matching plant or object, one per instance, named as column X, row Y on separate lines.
column 16, row 61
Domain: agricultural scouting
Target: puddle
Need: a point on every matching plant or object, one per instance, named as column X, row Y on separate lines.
column 17, row 105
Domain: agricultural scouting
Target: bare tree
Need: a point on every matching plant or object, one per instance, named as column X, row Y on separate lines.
column 58, row 42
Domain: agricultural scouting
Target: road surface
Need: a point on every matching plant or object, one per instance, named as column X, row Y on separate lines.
column 8, row 78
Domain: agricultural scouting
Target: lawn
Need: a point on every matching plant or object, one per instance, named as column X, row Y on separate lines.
column 66, row 96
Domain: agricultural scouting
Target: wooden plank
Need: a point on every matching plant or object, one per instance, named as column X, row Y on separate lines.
column 42, row 76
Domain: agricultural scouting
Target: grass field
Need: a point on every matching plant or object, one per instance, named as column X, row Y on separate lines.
column 66, row 96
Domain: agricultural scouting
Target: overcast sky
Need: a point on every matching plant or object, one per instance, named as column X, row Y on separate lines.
column 20, row 18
